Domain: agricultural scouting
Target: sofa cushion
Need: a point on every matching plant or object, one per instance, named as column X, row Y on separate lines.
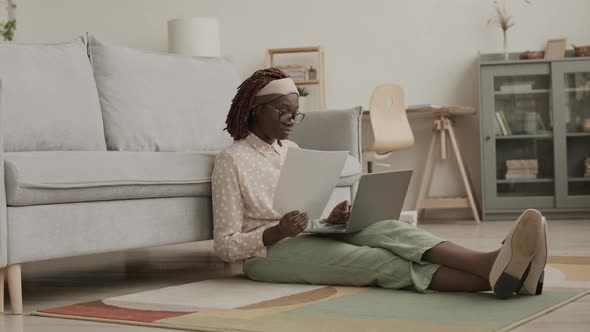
column 50, row 98
column 162, row 102
column 68, row 176
column 331, row 130
column 50, row 177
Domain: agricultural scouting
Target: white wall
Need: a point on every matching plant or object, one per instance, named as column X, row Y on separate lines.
column 429, row 46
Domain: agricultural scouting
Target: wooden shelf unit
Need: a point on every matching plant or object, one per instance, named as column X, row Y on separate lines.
column 320, row 81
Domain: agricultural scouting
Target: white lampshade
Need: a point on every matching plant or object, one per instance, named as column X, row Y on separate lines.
column 197, row 36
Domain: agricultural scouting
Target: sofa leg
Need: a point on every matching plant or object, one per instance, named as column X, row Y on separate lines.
column 15, row 289
column 1, row 289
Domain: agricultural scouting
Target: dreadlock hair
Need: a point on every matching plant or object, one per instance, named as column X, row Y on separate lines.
column 242, row 104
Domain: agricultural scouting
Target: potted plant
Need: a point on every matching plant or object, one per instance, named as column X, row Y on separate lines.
column 312, row 73
column 7, row 28
column 303, row 93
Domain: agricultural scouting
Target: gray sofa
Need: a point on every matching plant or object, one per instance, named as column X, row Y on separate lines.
column 107, row 148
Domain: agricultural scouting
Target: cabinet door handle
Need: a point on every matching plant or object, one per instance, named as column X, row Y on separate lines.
column 488, row 138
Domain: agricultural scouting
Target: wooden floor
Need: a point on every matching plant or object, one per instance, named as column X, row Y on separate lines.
column 66, row 281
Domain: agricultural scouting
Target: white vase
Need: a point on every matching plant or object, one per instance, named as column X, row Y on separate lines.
column 505, row 40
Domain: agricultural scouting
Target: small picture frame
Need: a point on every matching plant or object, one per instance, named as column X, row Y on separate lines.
column 555, row 48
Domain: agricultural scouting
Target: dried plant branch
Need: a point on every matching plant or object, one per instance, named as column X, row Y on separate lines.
column 503, row 20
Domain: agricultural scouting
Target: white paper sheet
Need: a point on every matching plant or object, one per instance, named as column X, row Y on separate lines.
column 307, row 180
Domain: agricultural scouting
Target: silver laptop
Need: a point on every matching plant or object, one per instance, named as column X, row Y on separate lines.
column 380, row 196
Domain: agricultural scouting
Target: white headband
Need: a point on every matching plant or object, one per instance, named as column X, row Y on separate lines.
column 283, row 86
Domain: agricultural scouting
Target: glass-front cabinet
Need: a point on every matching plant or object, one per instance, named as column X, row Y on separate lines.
column 572, row 95
column 535, row 134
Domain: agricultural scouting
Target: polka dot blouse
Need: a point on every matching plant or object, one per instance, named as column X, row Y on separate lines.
column 244, row 179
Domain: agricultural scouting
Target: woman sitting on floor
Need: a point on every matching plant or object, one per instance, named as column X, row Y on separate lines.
column 389, row 254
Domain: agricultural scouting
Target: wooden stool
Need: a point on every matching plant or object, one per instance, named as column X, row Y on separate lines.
column 443, row 127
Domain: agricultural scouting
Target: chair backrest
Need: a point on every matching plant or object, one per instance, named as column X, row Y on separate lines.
column 391, row 128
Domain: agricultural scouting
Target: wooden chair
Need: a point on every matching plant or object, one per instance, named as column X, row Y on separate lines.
column 391, row 128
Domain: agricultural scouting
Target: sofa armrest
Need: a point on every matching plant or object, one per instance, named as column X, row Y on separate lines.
column 337, row 130
column 3, row 228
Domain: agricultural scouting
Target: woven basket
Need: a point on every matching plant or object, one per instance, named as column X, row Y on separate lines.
column 581, row 50
column 527, row 55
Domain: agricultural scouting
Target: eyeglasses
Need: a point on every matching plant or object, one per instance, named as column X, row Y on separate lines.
column 286, row 116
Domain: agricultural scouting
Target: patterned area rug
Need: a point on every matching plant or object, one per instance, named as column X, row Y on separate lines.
column 238, row 304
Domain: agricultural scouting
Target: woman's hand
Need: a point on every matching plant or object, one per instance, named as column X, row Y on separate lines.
column 340, row 214
column 292, row 223
column 289, row 225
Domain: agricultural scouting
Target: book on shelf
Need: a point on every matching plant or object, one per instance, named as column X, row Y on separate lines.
column 523, row 171
column 505, row 122
column 516, row 87
column 520, row 176
column 500, row 125
column 497, row 128
column 296, row 72
column 522, row 163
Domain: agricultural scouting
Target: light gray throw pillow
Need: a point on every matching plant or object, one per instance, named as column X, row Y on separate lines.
column 50, row 98
column 162, row 102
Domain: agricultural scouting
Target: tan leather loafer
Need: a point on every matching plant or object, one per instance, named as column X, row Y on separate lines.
column 520, row 246
column 533, row 283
